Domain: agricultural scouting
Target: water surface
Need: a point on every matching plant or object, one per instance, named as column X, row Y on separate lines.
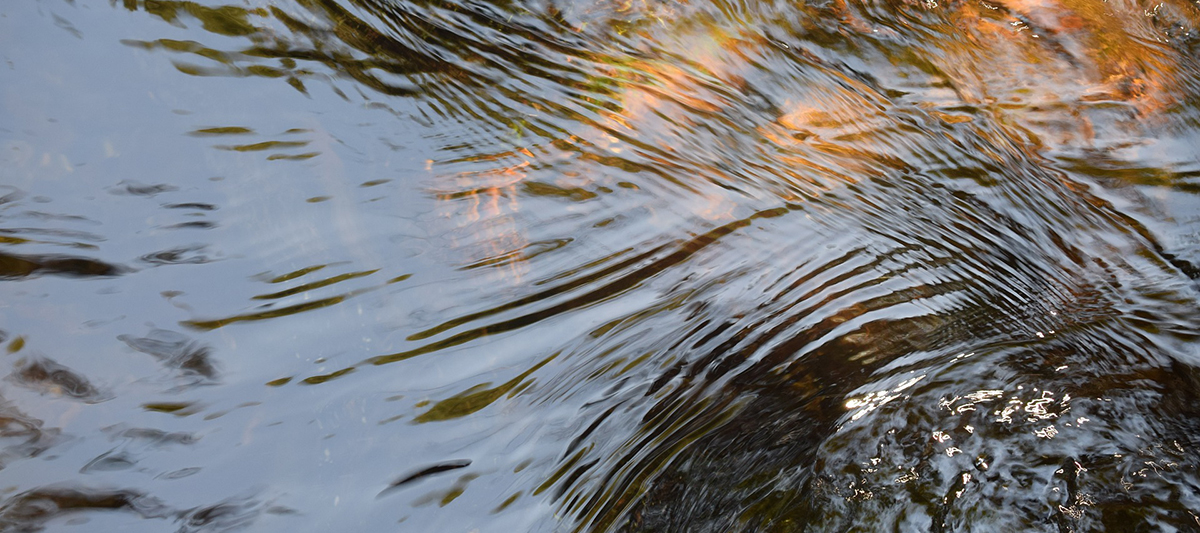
column 615, row 266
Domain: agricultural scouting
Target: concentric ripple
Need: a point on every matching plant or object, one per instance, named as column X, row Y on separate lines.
column 614, row 266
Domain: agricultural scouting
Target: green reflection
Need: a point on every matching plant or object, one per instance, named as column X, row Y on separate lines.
column 273, row 313
column 296, row 274
column 225, row 20
column 317, row 380
column 474, row 399
column 226, row 130
column 291, row 157
column 314, row 285
column 265, row 145
column 175, row 408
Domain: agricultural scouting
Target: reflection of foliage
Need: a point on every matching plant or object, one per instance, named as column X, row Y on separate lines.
column 226, row 20
column 496, row 61
column 790, row 109
column 503, row 60
column 422, row 43
column 478, row 397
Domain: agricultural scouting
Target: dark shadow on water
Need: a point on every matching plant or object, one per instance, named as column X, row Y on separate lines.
column 49, row 377
column 14, row 266
column 31, row 511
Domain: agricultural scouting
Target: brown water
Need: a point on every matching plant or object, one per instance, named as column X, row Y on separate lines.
column 614, row 266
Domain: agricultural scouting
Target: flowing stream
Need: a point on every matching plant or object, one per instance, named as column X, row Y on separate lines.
column 600, row 265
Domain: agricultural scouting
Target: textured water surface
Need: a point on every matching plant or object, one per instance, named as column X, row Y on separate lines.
column 600, row 266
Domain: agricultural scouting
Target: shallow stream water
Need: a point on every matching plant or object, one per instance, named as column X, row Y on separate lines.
column 599, row 266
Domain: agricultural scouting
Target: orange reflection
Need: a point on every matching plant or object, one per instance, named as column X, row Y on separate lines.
column 483, row 205
column 1108, row 47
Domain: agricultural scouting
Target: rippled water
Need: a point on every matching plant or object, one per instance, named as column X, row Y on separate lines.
column 600, row 266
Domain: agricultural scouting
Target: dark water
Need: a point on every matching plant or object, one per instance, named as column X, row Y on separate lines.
column 614, row 265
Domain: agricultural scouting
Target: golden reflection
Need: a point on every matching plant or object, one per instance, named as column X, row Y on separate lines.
column 1126, row 66
column 1063, row 51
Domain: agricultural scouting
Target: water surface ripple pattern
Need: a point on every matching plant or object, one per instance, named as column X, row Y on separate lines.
column 607, row 266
